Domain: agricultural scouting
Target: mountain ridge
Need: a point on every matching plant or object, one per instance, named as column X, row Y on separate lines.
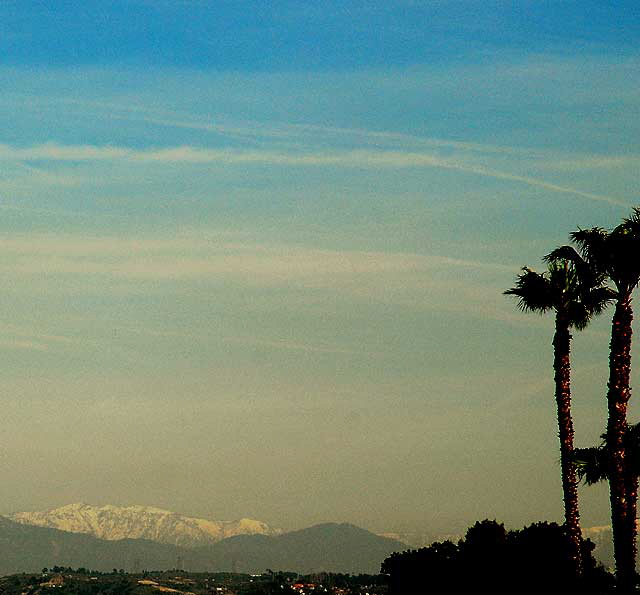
column 112, row 523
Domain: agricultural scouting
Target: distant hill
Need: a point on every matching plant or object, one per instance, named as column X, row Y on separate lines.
column 25, row 548
column 140, row 522
column 329, row 547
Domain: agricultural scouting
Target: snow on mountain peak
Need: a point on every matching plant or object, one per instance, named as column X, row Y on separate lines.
column 140, row 522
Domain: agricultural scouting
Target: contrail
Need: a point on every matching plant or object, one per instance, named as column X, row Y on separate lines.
column 347, row 159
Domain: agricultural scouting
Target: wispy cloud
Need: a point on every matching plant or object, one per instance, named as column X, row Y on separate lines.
column 313, row 133
column 302, row 277
column 293, row 346
column 346, row 159
column 202, row 256
column 22, row 344
column 20, row 174
column 594, row 162
column 33, row 339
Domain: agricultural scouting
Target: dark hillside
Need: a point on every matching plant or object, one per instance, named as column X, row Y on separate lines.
column 330, row 547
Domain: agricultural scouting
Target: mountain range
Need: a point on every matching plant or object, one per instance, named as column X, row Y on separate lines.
column 141, row 522
column 329, row 547
column 142, row 537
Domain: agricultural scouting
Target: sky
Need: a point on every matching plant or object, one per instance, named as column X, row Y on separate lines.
column 253, row 253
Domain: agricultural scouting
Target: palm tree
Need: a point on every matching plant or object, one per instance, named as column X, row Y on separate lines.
column 616, row 255
column 575, row 294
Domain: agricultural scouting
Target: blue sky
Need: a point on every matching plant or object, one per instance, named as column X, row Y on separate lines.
column 254, row 253
column 260, row 36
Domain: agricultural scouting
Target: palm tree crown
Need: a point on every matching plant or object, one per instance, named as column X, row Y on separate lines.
column 577, row 293
column 613, row 254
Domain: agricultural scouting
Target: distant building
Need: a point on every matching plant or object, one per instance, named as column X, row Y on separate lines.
column 56, row 580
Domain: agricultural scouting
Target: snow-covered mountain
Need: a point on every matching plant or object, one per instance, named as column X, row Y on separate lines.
column 140, row 522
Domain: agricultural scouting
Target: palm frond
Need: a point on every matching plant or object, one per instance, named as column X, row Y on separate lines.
column 578, row 314
column 634, row 218
column 593, row 245
column 533, row 290
column 591, row 464
column 599, row 298
column 588, row 274
column 590, row 241
column 624, row 247
column 564, row 253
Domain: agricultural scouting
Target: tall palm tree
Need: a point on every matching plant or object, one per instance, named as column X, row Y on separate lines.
column 575, row 294
column 616, row 254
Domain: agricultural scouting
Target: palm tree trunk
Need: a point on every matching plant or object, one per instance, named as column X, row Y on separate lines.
column 632, row 496
column 623, row 503
column 562, row 376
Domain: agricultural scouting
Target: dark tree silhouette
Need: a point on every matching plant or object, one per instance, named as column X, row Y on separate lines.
column 533, row 560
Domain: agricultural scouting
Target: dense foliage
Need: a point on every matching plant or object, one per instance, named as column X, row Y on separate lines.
column 536, row 559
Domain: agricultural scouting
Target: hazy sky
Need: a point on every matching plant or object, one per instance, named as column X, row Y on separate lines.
column 253, row 252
